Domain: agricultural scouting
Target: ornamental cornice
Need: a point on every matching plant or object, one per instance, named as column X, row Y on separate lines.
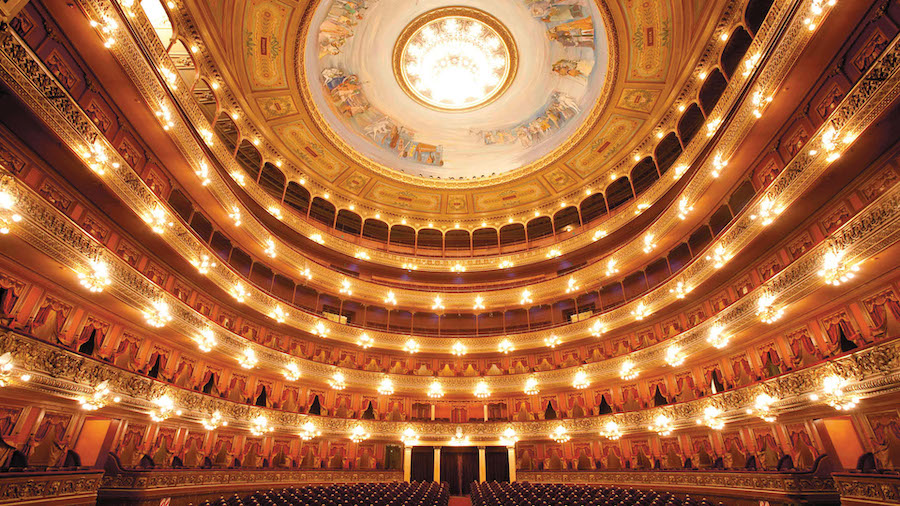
column 62, row 373
column 174, row 478
column 859, row 108
column 156, row 92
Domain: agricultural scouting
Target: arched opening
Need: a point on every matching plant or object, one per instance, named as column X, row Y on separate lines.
column 431, row 239
column 741, row 196
column 644, row 175
column 375, row 230
column 712, row 90
column 249, row 158
column 457, row 239
column 485, row 238
column 159, row 19
column 512, row 234
column 205, row 98
column 322, row 211
column 539, row 227
column 690, row 123
column 349, row 222
column 734, row 51
column 619, row 193
column 403, row 235
column 593, row 207
column 297, row 197
column 183, row 62
column 667, row 151
column 566, row 217
column 227, row 131
column 756, row 13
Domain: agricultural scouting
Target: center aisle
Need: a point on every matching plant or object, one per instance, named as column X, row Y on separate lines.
column 460, row 501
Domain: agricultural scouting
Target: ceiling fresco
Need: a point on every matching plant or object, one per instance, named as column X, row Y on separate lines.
column 593, row 79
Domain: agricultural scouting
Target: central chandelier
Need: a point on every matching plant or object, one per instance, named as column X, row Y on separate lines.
column 454, row 59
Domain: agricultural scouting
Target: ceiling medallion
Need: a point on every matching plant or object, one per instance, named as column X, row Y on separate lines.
column 455, row 59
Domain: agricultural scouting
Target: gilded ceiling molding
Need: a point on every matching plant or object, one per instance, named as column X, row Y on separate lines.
column 62, row 373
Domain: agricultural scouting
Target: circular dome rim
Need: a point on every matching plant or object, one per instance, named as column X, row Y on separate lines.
column 487, row 19
column 588, row 124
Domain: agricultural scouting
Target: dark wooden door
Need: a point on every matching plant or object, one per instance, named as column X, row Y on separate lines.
column 459, row 468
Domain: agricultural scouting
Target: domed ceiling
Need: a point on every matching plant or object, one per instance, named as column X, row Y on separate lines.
column 581, row 85
column 551, row 63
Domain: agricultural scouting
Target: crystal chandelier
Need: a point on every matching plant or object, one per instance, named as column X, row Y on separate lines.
column 99, row 399
column 203, row 264
column 505, row 346
column 641, row 311
column 717, row 337
column 833, row 393
column 248, row 360
column 662, row 425
column 158, row 315
column 6, row 370
column 531, row 386
column 165, row 408
column 459, row 439
column 364, row 341
column 628, row 371
column 454, row 62
column 458, row 349
column 766, row 309
column 409, row 437
column 435, row 390
column 206, row 341
column 560, row 434
column 309, row 431
column 8, row 200
column 292, row 371
column 386, row 387
column 214, row 421
column 674, row 356
column 712, row 418
column 581, row 380
column 278, row 314
column 552, row 341
column 834, row 269
column 411, row 346
column 482, row 391
column 239, row 293
column 762, row 407
column 158, row 219
column 611, row 431
column 509, row 438
column 260, row 426
column 597, row 329
column 359, row 434
column 337, row 381
column 97, row 278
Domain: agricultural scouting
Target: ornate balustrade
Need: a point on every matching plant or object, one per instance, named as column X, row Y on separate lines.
column 50, row 487
column 815, row 486
column 866, row 489
column 183, row 486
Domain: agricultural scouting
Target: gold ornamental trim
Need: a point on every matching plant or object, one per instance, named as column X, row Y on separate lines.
column 589, row 121
column 457, row 12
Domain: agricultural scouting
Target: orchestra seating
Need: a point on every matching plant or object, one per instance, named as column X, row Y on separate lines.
column 553, row 494
column 359, row 494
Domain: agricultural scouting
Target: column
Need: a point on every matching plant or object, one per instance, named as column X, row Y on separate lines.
column 482, row 465
column 437, row 464
column 512, row 463
column 485, row 413
column 432, row 412
column 407, row 462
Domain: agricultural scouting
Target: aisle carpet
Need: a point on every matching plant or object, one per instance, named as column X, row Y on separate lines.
column 460, row 501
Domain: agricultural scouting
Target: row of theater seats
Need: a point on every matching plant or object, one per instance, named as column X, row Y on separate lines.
column 358, row 494
column 553, row 494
